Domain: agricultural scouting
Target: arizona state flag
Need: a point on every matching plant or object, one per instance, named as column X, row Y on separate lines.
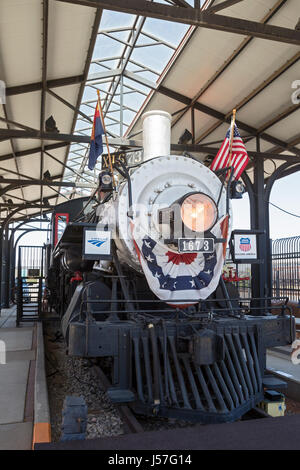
column 96, row 146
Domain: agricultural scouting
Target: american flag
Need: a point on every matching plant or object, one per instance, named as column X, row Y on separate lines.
column 239, row 157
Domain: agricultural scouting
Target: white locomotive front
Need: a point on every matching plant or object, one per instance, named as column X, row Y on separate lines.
column 170, row 218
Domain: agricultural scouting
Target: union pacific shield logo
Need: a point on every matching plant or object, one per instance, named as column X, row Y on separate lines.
column 245, row 244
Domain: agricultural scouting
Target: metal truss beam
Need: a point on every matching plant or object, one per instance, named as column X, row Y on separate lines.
column 133, row 37
column 37, row 86
column 220, row 116
column 44, row 85
column 67, row 167
column 222, row 6
column 197, row 148
column 196, row 17
column 69, row 105
column 59, row 82
column 292, row 142
column 102, row 75
column 225, row 118
column 20, row 134
column 244, row 44
column 38, row 182
column 136, row 78
column 133, row 143
column 24, row 153
column 93, row 38
column 12, row 144
column 17, row 124
column 13, row 184
column 280, row 117
column 7, row 205
column 261, row 87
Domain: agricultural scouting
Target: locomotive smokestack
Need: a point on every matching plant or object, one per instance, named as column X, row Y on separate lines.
column 156, row 134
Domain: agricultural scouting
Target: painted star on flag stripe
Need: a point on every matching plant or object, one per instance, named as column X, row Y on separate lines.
column 148, row 258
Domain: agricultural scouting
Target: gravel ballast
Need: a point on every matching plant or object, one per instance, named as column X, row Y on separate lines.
column 75, row 377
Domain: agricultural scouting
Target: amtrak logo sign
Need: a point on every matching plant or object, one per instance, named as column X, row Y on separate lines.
column 97, row 243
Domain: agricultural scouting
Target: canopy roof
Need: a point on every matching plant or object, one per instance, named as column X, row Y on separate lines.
column 55, row 54
column 214, row 72
column 46, row 48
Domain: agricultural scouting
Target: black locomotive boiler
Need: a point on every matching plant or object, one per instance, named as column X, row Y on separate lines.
column 135, row 273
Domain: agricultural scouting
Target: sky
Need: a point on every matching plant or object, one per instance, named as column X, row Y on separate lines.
column 285, row 194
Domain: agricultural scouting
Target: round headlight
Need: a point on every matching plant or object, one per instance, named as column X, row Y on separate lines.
column 199, row 212
column 106, row 179
column 239, row 187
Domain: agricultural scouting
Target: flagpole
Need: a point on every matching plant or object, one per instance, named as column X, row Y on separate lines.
column 231, row 139
column 106, row 139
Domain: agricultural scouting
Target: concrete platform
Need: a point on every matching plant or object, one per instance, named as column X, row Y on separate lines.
column 8, row 317
column 280, row 364
column 16, row 411
column 17, row 436
column 16, row 339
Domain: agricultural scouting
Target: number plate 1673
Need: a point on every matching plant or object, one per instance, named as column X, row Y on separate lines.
column 192, row 245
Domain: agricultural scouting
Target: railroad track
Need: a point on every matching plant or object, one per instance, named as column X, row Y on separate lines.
column 131, row 424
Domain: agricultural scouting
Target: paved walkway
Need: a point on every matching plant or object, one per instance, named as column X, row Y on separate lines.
column 8, row 317
column 16, row 404
column 283, row 366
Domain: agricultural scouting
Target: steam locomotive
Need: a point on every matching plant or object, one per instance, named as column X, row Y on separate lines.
column 135, row 272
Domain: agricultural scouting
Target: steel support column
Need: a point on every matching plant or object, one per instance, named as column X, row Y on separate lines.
column 258, row 222
column 259, row 197
column 12, row 252
column 4, row 267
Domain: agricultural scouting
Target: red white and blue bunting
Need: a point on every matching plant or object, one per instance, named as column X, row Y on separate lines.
column 174, row 276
